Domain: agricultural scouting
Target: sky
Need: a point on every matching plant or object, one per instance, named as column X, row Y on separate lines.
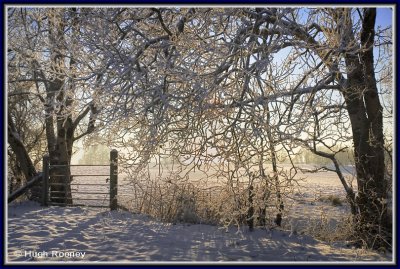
column 384, row 16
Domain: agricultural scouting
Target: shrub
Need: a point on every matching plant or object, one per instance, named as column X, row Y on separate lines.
column 334, row 200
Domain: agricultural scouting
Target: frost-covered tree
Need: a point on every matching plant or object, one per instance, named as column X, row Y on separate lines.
column 46, row 60
column 201, row 76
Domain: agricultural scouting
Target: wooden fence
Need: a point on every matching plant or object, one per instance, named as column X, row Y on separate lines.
column 45, row 180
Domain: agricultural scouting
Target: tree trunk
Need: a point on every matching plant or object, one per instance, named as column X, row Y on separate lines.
column 250, row 209
column 60, row 148
column 279, row 201
column 61, row 155
column 22, row 156
column 59, row 91
column 365, row 111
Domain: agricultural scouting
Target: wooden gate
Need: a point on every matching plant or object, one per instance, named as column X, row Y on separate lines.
column 92, row 189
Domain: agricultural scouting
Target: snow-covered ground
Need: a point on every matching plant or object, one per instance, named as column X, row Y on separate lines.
column 86, row 234
column 42, row 234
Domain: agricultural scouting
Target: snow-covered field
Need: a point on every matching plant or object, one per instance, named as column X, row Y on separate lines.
column 98, row 235
column 85, row 234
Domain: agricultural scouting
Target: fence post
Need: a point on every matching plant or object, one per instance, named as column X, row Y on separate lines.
column 113, row 179
column 45, row 183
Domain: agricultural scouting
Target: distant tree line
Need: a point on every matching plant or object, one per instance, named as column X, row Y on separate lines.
column 344, row 157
